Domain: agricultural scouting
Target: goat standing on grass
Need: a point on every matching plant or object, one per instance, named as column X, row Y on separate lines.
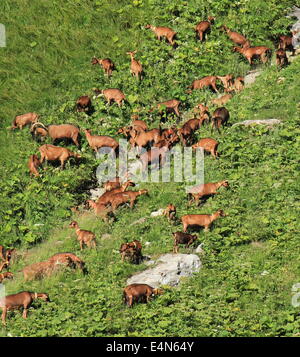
column 200, row 220
column 161, row 31
column 136, row 68
column 83, row 236
column 139, row 293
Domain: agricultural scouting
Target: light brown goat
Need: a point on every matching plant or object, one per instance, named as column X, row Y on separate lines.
column 209, row 81
column 171, row 106
column 106, row 64
column 53, row 153
column 98, row 141
column 222, row 100
column 84, row 104
column 236, row 37
column 33, row 164
column 84, row 237
column 21, row 120
column 206, row 189
column 200, row 220
column 204, row 27
column 170, row 212
column 105, row 198
column 127, row 196
column 69, row 260
column 139, row 293
column 251, row 52
column 136, row 68
column 145, row 138
column 56, row 132
column 23, row 300
column 183, row 238
column 208, row 144
column 161, row 31
column 112, row 95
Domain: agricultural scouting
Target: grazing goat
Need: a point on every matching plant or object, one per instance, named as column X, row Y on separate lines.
column 206, row 190
column 237, row 86
column 281, row 58
column 136, row 68
column 84, row 104
column 52, row 153
column 38, row 270
column 131, row 251
column 56, row 132
column 185, row 133
column 220, row 117
column 160, row 32
column 209, row 81
column 170, row 212
column 33, row 164
column 204, row 27
column 123, row 197
column 226, row 80
column 98, row 141
column 84, row 237
column 222, row 100
column 6, row 275
column 105, row 198
column 250, row 53
column 139, row 293
column 106, row 64
column 100, row 209
column 145, row 138
column 69, row 260
column 183, row 238
column 171, row 106
column 112, row 95
column 209, row 145
column 21, row 120
column 236, row 37
column 23, row 300
column 200, row 220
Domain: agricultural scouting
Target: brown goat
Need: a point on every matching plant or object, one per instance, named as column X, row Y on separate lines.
column 6, row 275
column 84, row 104
column 106, row 64
column 204, row 27
column 145, row 138
column 52, row 153
column 185, row 133
column 222, row 100
column 69, row 260
column 21, row 120
column 38, row 270
column 136, row 68
column 100, row 209
column 23, row 300
column 156, row 155
column 251, row 52
column 105, row 198
column 112, row 95
column 237, row 86
column 207, row 189
column 160, row 32
column 200, row 220
column 131, row 251
column 236, row 37
column 84, row 237
column 281, row 58
column 111, row 184
column 170, row 212
column 208, row 144
column 183, row 238
column 286, row 43
column 33, row 164
column 98, row 141
column 139, row 293
column 209, row 81
column 171, row 106
column 123, row 197
column 220, row 117
column 226, row 80
column 55, row 132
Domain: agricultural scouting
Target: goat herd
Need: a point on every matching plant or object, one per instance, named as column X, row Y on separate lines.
column 156, row 141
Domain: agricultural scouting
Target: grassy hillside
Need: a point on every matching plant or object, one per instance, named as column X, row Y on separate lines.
column 46, row 66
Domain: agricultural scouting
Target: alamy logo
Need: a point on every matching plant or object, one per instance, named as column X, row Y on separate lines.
column 2, row 36
column 2, row 293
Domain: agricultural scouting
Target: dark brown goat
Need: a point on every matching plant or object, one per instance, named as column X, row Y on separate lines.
column 135, row 293
column 183, row 238
column 185, row 133
column 220, row 118
column 281, row 58
column 84, row 104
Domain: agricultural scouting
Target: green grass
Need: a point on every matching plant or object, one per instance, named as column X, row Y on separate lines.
column 46, row 66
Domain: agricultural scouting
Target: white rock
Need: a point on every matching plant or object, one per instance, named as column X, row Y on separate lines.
column 269, row 122
column 160, row 212
column 168, row 271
